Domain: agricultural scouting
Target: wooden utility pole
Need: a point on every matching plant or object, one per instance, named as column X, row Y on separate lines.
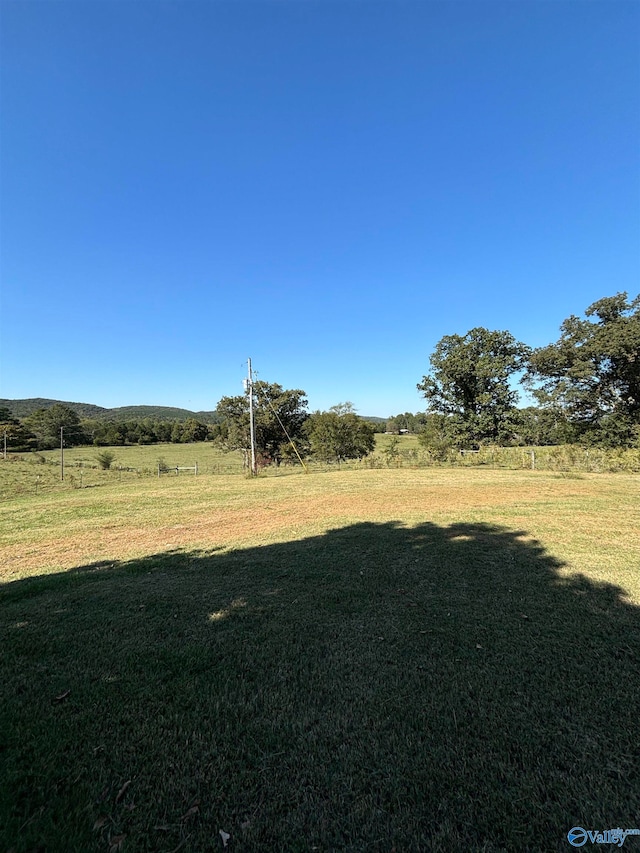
column 252, row 428
column 62, row 453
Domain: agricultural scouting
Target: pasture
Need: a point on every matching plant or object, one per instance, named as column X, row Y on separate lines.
column 382, row 659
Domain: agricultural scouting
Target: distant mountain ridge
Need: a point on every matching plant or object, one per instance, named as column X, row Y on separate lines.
column 22, row 408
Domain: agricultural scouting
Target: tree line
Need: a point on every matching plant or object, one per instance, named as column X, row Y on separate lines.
column 586, row 386
column 41, row 430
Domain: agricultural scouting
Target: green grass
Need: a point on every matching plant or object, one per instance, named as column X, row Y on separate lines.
column 439, row 660
column 38, row 473
column 27, row 474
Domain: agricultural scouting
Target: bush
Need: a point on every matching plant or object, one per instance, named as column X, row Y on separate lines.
column 105, row 459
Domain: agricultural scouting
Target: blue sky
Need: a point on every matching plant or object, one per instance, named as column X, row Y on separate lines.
column 327, row 187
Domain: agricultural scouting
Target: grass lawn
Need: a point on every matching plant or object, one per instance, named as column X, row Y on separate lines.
column 360, row 660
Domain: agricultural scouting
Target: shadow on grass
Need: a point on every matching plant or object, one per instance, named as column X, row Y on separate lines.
column 375, row 688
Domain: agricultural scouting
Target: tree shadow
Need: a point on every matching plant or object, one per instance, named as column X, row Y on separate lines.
column 374, row 688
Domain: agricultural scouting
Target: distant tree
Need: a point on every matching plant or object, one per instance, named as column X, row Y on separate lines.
column 339, row 434
column 592, row 373
column 469, row 383
column 193, row 430
column 276, row 410
column 162, row 430
column 18, row 438
column 105, row 433
column 393, row 424
column 407, row 421
column 45, row 424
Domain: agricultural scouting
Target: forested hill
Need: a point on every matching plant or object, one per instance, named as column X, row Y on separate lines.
column 22, row 408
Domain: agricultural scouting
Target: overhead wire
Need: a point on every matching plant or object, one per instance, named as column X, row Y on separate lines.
column 284, row 429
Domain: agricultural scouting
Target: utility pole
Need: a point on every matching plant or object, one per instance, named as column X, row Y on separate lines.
column 5, row 445
column 252, row 428
column 62, row 453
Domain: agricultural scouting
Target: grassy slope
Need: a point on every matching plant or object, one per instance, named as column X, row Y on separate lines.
column 431, row 659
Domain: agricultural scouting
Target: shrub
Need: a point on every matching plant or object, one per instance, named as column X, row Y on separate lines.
column 105, row 459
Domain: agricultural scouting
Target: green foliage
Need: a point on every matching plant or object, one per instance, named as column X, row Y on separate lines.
column 391, row 451
column 106, row 459
column 592, row 373
column 17, row 436
column 46, row 424
column 407, row 422
column 193, row 430
column 339, row 434
column 145, row 431
column 22, row 408
column 437, row 437
column 275, row 410
column 534, row 426
column 469, row 382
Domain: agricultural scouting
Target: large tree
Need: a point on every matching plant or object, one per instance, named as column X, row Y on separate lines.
column 340, row 434
column 278, row 413
column 592, row 373
column 13, row 434
column 469, row 382
column 46, row 424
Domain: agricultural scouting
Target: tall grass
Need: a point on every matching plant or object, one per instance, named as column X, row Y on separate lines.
column 562, row 458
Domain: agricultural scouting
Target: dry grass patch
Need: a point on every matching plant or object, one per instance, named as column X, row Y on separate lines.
column 589, row 518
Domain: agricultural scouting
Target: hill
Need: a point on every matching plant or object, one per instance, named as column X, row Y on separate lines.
column 160, row 413
column 22, row 408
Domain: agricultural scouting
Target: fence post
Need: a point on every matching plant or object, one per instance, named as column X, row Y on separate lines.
column 158, row 470
column 533, row 460
column 196, row 474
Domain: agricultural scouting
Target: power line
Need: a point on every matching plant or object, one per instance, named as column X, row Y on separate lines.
column 284, row 429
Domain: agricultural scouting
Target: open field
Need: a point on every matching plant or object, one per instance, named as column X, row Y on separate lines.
column 32, row 474
column 430, row 659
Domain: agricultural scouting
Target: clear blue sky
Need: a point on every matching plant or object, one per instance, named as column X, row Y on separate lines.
column 327, row 187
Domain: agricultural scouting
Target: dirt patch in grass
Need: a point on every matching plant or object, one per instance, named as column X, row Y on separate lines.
column 275, row 514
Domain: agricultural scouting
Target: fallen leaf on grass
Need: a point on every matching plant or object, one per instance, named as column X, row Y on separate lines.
column 61, row 697
column 100, row 822
column 195, row 808
column 478, row 646
column 225, row 837
column 122, row 790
